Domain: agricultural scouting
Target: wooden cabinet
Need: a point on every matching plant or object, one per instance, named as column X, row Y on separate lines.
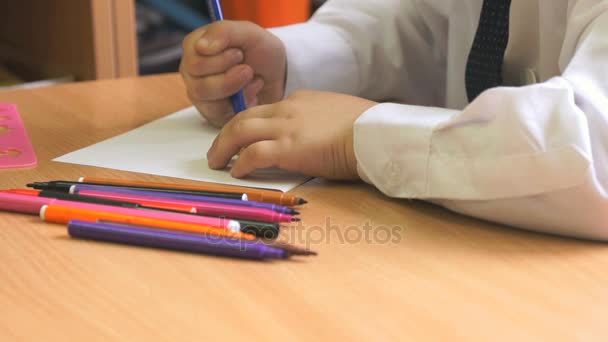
column 85, row 39
column 97, row 39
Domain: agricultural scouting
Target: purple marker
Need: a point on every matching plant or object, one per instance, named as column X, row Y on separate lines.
column 180, row 241
column 184, row 197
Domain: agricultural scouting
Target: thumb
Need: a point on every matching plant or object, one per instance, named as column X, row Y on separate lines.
column 224, row 34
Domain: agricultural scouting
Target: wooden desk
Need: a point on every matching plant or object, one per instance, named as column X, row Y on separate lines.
column 444, row 277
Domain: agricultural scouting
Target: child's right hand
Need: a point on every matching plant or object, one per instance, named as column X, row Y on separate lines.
column 221, row 58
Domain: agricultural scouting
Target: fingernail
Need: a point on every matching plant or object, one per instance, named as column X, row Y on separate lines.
column 245, row 74
column 252, row 102
column 211, row 151
column 204, row 43
column 213, row 145
column 207, row 45
column 235, row 174
column 237, row 56
column 210, row 160
column 257, row 85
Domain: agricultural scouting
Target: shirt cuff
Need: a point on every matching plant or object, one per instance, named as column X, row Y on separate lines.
column 319, row 58
column 392, row 145
column 485, row 152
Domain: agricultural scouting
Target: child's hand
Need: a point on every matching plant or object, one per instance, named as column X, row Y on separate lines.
column 221, row 58
column 310, row 132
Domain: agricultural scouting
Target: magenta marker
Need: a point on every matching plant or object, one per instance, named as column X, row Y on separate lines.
column 211, row 209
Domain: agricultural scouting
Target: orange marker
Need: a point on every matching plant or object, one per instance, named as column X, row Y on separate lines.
column 253, row 194
column 61, row 214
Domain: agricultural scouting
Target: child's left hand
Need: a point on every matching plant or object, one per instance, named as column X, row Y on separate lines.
column 310, row 132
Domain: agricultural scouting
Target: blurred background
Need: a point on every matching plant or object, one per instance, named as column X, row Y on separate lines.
column 44, row 42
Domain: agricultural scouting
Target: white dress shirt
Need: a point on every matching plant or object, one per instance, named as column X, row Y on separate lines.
column 531, row 154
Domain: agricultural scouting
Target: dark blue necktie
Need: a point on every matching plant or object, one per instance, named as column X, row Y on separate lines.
column 484, row 66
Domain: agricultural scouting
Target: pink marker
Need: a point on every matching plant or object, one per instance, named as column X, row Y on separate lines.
column 24, row 204
column 32, row 205
column 202, row 208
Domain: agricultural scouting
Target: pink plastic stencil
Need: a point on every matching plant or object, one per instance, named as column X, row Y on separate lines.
column 15, row 147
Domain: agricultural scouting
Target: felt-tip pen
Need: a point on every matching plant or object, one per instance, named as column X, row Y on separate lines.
column 216, row 14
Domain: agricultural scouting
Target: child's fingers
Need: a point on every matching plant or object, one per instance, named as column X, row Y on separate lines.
column 262, row 111
column 252, row 90
column 220, row 111
column 216, row 112
column 189, row 42
column 198, row 66
column 262, row 154
column 223, row 34
column 239, row 133
column 220, row 86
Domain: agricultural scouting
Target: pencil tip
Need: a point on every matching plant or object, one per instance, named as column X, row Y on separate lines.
column 296, row 219
column 302, row 201
column 295, row 212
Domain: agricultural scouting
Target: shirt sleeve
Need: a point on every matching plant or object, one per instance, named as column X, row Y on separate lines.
column 534, row 157
column 381, row 50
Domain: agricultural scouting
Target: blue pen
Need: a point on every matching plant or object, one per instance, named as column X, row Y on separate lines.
column 216, row 14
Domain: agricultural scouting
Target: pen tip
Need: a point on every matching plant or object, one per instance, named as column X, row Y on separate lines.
column 303, row 252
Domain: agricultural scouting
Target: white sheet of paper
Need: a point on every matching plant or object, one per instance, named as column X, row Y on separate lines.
column 173, row 146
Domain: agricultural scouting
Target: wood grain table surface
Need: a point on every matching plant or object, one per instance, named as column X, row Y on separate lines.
column 387, row 269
